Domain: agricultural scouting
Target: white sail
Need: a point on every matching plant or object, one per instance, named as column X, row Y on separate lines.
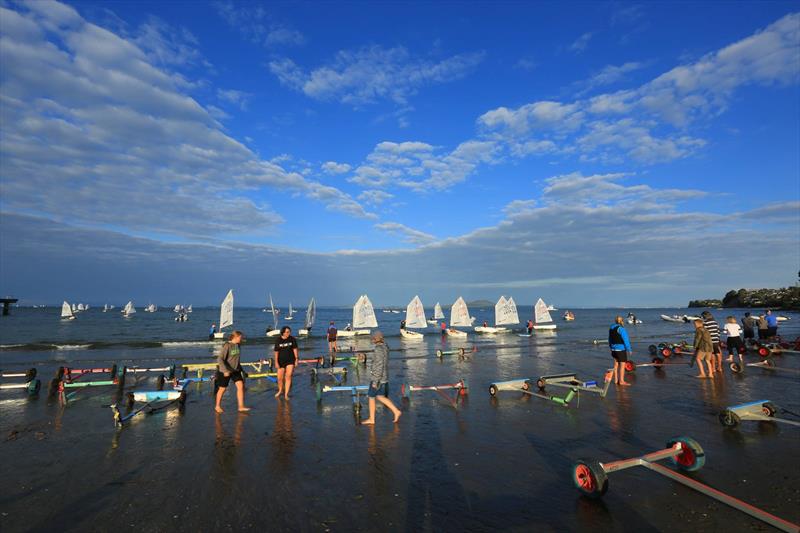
column 178, row 308
column 274, row 313
column 459, row 314
column 189, row 309
column 129, row 309
column 437, row 312
column 66, row 310
column 74, row 308
column 541, row 314
column 226, row 311
column 364, row 314
column 415, row 314
column 500, row 311
column 311, row 313
column 512, row 316
column 105, row 308
column 291, row 311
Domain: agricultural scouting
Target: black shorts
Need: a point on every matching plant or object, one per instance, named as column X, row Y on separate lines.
column 619, row 357
column 717, row 348
column 762, row 333
column 375, row 389
column 749, row 334
column 331, row 339
column 283, row 362
column 772, row 332
column 223, row 380
column 735, row 344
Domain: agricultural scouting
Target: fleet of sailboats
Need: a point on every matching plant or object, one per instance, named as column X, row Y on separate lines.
column 415, row 319
column 225, row 315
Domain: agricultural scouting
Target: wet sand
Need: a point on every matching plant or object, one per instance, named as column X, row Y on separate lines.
column 491, row 464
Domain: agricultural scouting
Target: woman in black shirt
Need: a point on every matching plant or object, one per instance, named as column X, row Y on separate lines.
column 285, row 360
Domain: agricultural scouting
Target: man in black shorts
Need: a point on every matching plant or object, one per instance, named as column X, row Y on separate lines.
column 620, row 346
column 286, row 356
column 230, row 369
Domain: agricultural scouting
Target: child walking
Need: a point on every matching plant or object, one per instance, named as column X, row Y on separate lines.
column 733, row 339
column 703, row 349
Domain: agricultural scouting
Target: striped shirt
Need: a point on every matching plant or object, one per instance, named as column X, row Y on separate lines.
column 713, row 329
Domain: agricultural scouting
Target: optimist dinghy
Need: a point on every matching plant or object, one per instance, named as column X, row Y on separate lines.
column 415, row 319
column 66, row 312
column 363, row 318
column 541, row 317
column 311, row 315
column 274, row 332
column 505, row 313
column 225, row 315
column 459, row 317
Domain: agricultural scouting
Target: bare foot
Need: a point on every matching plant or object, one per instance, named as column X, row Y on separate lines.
column 397, row 416
column 219, row 409
column 285, row 396
column 702, row 377
column 277, row 394
column 244, row 409
column 367, row 422
column 624, row 383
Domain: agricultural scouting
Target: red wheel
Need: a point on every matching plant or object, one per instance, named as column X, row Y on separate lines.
column 692, row 456
column 763, row 351
column 630, row 366
column 666, row 352
column 590, row 478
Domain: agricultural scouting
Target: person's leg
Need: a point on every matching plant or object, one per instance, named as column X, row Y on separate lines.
column 220, row 392
column 288, row 381
column 392, row 407
column 700, row 360
column 281, row 374
column 240, row 396
column 622, row 374
column 371, row 419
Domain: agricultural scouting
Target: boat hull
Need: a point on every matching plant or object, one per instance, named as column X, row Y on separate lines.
column 488, row 330
column 352, row 333
column 457, row 333
column 544, row 327
column 411, row 335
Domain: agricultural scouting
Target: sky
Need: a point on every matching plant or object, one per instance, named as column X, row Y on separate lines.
column 593, row 154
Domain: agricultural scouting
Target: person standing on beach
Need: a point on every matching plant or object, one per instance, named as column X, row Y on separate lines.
column 286, row 355
column 229, row 368
column 332, row 333
column 713, row 330
column 444, row 328
column 748, row 326
column 620, row 346
column 763, row 328
column 703, row 348
column 211, row 332
column 379, row 379
column 530, row 327
column 772, row 325
column 733, row 340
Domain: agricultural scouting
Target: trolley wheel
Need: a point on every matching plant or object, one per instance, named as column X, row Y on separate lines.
column 653, row 349
column 590, row 478
column 692, row 456
column 540, row 383
column 736, row 368
column 666, row 352
column 34, row 386
column 630, row 366
column 729, row 419
column 493, row 390
column 763, row 351
column 318, row 391
column 160, row 382
column 769, row 408
column 439, row 354
column 658, row 361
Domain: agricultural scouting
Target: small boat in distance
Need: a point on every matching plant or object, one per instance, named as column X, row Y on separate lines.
column 290, row 316
column 311, row 316
column 66, row 312
column 274, row 332
column 129, row 310
column 437, row 315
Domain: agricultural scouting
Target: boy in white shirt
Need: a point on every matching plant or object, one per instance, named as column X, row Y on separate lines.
column 733, row 341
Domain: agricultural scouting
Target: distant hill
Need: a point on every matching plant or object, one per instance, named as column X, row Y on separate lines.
column 787, row 298
column 480, row 303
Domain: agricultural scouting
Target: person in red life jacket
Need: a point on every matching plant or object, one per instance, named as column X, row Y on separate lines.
column 444, row 328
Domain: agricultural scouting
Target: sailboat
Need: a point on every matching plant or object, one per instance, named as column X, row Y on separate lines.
column 415, row 319
column 178, row 308
column 311, row 315
column 81, row 307
column 151, row 308
column 66, row 312
column 74, row 308
column 541, row 316
column 274, row 331
column 363, row 317
column 459, row 317
column 129, row 310
column 290, row 316
column 225, row 315
column 105, row 308
column 189, row 309
column 437, row 314
column 505, row 313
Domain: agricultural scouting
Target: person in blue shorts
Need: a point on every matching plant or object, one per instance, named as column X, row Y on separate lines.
column 379, row 379
column 620, row 346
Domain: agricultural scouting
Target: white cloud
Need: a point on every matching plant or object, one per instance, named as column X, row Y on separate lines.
column 409, row 235
column 579, row 45
column 114, row 137
column 332, row 167
column 373, row 73
column 284, row 36
column 374, row 196
column 256, row 25
column 613, row 73
column 238, row 98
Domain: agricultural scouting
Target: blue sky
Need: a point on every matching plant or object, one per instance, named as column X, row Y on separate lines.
column 593, row 154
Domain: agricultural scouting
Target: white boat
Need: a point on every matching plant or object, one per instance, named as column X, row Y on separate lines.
column 396, row 311
column 66, row 312
column 437, row 314
column 189, row 309
column 363, row 318
column 630, row 320
column 225, row 315
column 311, row 316
column 541, row 317
column 274, row 332
column 551, row 308
column 290, row 316
column 679, row 318
column 129, row 310
column 110, row 307
column 459, row 317
column 505, row 313
column 80, row 307
column 105, row 308
column 74, row 308
column 415, row 319
column 151, row 308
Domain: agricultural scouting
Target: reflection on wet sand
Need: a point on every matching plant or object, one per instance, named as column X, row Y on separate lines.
column 283, row 437
column 226, row 450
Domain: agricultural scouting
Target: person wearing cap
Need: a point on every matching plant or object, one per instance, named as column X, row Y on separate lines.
column 229, row 368
column 379, row 379
column 332, row 332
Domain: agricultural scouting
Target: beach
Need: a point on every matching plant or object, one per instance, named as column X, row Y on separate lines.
column 491, row 463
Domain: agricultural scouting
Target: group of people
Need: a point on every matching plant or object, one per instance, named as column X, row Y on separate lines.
column 707, row 341
column 286, row 355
